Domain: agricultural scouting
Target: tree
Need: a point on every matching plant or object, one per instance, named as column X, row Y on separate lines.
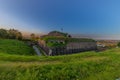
column 14, row 34
column 36, row 37
column 19, row 35
column 118, row 44
column 3, row 33
column 32, row 36
column 10, row 34
column 68, row 35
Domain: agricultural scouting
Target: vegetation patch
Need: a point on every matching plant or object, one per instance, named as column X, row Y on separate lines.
column 52, row 41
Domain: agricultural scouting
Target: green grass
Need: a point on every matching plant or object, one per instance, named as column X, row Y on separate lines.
column 15, row 47
column 83, row 66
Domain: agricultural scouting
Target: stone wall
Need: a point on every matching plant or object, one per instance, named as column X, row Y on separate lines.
column 81, row 45
column 74, row 47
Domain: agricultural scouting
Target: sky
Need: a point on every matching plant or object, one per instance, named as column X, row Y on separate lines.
column 98, row 17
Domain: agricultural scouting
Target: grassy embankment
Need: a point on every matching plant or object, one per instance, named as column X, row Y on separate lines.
column 84, row 66
column 15, row 47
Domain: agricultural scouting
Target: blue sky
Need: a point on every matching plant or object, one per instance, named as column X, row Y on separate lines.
column 74, row 16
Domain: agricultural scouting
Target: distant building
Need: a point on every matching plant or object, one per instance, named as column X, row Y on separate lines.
column 100, row 45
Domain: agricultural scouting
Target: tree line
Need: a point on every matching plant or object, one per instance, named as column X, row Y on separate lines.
column 10, row 34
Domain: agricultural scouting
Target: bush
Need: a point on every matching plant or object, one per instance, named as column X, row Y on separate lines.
column 118, row 44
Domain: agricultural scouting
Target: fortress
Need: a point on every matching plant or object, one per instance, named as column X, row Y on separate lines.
column 58, row 43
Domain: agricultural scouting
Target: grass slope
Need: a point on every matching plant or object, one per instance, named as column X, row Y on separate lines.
column 84, row 66
column 15, row 47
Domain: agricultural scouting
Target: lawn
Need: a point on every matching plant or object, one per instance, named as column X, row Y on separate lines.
column 82, row 66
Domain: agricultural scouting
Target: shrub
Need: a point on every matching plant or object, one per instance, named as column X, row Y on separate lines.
column 118, row 44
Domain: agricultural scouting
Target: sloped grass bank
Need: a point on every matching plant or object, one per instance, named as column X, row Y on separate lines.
column 15, row 47
column 84, row 66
